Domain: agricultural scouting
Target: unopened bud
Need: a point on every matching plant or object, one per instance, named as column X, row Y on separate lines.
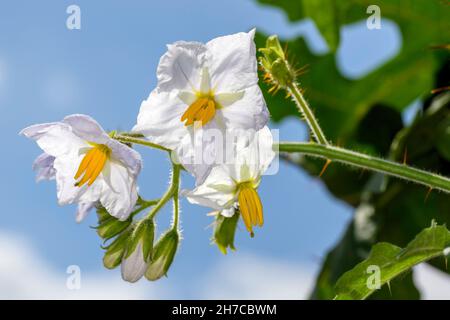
column 277, row 69
column 115, row 251
column 138, row 251
column 163, row 255
column 109, row 226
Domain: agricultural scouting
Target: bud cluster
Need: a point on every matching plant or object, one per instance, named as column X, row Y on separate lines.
column 133, row 247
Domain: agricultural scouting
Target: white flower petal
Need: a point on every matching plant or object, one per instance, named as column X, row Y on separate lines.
column 134, row 267
column 180, row 67
column 229, row 212
column 216, row 192
column 55, row 138
column 119, row 195
column 86, row 128
column 226, row 99
column 66, row 166
column 249, row 112
column 233, row 65
column 43, row 165
column 83, row 210
column 128, row 156
column 205, row 81
column 188, row 97
column 252, row 161
column 37, row 130
column 160, row 119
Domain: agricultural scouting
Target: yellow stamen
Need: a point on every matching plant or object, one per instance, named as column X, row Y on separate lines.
column 203, row 110
column 250, row 206
column 92, row 165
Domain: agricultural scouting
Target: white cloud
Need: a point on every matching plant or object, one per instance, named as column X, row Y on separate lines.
column 433, row 284
column 252, row 277
column 26, row 275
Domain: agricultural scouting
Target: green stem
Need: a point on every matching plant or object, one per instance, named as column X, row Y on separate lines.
column 403, row 171
column 144, row 205
column 306, row 111
column 176, row 205
column 171, row 191
column 131, row 139
column 131, row 134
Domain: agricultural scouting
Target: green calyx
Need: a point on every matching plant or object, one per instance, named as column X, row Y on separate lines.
column 163, row 255
column 224, row 231
column 277, row 69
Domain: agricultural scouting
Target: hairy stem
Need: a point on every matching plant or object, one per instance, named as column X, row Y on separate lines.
column 403, row 171
column 307, row 113
column 131, row 139
column 176, row 205
column 172, row 191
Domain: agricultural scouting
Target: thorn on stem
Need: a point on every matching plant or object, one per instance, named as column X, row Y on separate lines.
column 389, row 286
column 428, row 194
column 324, row 167
column 405, row 155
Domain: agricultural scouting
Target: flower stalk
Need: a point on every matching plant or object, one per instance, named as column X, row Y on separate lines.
column 307, row 113
column 134, row 140
column 402, row 171
column 172, row 191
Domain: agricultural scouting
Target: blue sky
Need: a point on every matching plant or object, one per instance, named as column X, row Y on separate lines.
column 105, row 70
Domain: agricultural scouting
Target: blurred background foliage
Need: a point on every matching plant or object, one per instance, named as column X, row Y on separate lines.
column 365, row 114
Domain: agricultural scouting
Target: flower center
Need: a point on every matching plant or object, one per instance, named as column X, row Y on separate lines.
column 250, row 206
column 201, row 110
column 92, row 164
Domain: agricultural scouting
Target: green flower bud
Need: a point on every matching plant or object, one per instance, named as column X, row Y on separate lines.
column 144, row 233
column 138, row 251
column 163, row 255
column 109, row 226
column 115, row 251
column 224, row 231
column 277, row 69
column 112, row 227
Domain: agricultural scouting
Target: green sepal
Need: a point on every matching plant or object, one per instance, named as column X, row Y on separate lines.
column 163, row 255
column 114, row 251
column 224, row 232
column 109, row 226
column 143, row 232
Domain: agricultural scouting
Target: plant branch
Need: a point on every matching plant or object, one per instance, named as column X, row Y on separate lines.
column 173, row 188
column 176, row 204
column 403, row 171
column 134, row 140
column 307, row 113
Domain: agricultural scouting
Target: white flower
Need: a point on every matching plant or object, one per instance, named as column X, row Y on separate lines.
column 212, row 85
column 233, row 186
column 89, row 165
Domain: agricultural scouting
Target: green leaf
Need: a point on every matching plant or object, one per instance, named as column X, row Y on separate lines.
column 392, row 261
column 325, row 15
